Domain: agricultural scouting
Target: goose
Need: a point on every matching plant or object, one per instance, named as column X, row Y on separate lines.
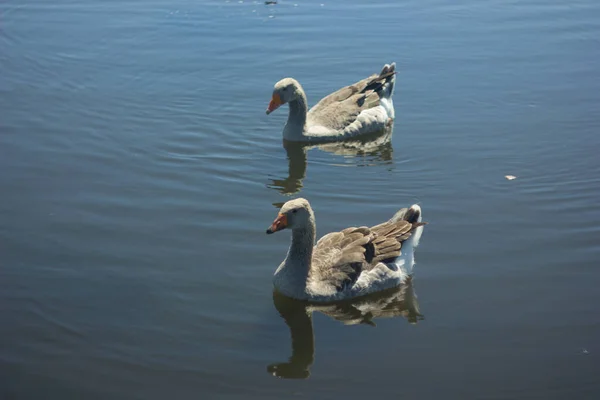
column 346, row 264
column 361, row 108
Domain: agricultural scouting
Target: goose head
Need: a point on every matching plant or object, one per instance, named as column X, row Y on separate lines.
column 294, row 214
column 284, row 91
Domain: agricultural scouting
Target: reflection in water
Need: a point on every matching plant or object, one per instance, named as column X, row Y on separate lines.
column 373, row 149
column 399, row 301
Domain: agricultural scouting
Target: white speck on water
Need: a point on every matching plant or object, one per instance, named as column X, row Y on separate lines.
column 585, row 351
column 271, row 16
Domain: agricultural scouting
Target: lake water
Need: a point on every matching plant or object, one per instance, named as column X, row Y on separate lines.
column 138, row 173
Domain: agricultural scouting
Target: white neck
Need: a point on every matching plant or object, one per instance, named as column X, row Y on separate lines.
column 292, row 275
column 294, row 128
column 301, row 249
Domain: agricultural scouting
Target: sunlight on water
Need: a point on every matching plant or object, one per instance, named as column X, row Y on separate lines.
column 139, row 173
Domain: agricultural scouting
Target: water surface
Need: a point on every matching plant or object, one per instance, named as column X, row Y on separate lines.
column 138, row 173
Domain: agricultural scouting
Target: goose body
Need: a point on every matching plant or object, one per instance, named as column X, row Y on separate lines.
column 347, row 264
column 361, row 108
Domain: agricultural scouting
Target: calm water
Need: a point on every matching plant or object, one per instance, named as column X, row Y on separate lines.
column 138, row 173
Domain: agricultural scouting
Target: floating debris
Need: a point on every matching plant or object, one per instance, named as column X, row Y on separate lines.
column 510, row 177
column 270, row 2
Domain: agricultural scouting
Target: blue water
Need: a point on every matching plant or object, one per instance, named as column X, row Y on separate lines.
column 138, row 173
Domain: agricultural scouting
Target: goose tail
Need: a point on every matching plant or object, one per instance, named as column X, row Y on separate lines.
column 414, row 215
column 406, row 261
column 388, row 72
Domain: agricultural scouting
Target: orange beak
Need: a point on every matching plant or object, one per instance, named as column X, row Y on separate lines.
column 279, row 224
column 274, row 104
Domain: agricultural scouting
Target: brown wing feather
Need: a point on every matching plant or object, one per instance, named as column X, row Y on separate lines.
column 343, row 93
column 342, row 107
column 340, row 257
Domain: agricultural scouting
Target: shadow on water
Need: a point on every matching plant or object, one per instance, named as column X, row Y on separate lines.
column 374, row 149
column 399, row 301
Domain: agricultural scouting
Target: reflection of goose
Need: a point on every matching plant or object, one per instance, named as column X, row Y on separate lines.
column 346, row 264
column 400, row 301
column 373, row 149
column 361, row 108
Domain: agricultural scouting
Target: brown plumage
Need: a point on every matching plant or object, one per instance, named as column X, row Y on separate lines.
column 340, row 257
column 342, row 107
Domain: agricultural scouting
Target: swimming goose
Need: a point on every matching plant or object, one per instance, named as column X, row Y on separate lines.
column 362, row 108
column 346, row 264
